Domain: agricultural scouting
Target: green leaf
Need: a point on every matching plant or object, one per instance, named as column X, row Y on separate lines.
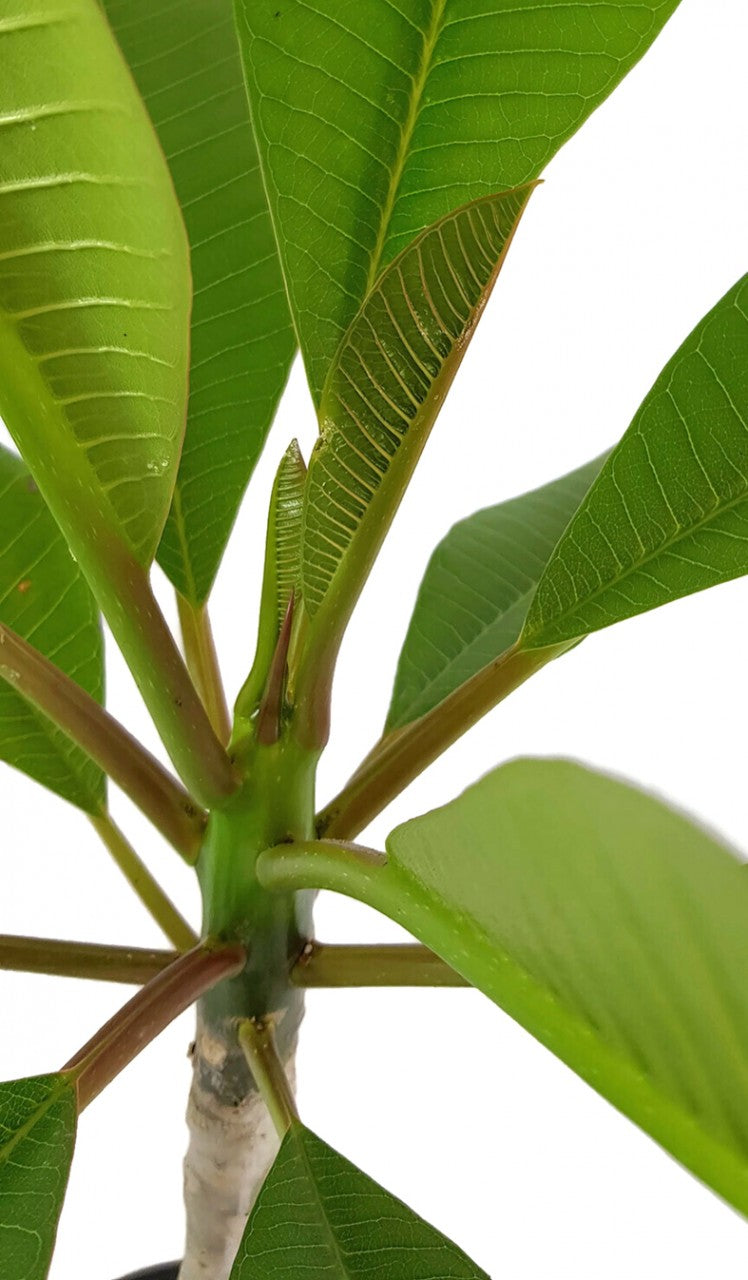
column 668, row 514
column 94, row 277
column 45, row 599
column 318, row 1214
column 387, row 384
column 282, row 574
column 185, row 59
column 609, row 926
column 375, row 119
column 37, row 1137
column 476, row 591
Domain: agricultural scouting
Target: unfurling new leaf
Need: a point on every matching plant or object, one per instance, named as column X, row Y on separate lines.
column 37, row 1136
column 318, row 1214
column 282, row 572
column 384, row 390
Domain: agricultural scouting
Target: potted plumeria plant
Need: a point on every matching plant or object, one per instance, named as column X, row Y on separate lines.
column 189, row 194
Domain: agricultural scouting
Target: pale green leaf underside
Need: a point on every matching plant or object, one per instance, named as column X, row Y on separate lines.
column 611, row 928
column 185, row 59
column 476, row 591
column 37, row 1137
column 44, row 598
column 318, row 1215
column 386, row 386
column 94, row 276
column 375, row 118
column 668, row 514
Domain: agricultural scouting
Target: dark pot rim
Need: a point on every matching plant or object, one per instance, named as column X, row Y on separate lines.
column 166, row 1271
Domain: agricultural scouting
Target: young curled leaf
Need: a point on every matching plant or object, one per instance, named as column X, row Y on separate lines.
column 384, row 391
column 282, row 573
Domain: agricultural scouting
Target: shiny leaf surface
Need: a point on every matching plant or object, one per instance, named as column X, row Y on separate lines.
column 374, row 119
column 94, row 276
column 185, row 59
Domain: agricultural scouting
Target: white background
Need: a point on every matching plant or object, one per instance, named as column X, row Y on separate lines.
column 640, row 227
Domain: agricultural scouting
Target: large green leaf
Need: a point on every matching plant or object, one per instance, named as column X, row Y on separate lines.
column 375, row 119
column 37, row 1137
column 317, row 1214
column 44, row 598
column 668, row 514
column 385, row 388
column 613, row 929
column 94, row 276
column 185, row 59
column 607, row 924
column 476, row 591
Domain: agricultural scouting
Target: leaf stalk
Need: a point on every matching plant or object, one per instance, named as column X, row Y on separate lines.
column 326, row 965
column 257, row 1039
column 401, row 755
column 160, row 797
column 149, row 1012
column 147, row 888
column 130, row 965
column 202, row 663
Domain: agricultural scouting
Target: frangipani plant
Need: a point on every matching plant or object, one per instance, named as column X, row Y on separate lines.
column 355, row 190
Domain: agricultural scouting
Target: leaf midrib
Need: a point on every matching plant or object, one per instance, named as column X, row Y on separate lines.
column 299, row 1136
column 430, row 39
column 571, row 1020
column 62, row 1086
column 680, row 536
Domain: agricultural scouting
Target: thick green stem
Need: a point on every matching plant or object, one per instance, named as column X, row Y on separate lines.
column 130, row 965
column 408, row 964
column 100, row 736
column 401, row 755
column 231, row 1139
column 156, row 902
column 148, row 1013
column 202, row 663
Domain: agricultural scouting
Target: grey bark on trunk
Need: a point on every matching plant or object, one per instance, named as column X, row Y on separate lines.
column 232, row 1145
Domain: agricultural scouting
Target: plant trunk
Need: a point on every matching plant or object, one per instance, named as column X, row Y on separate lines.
column 232, row 1140
column 231, row 1148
